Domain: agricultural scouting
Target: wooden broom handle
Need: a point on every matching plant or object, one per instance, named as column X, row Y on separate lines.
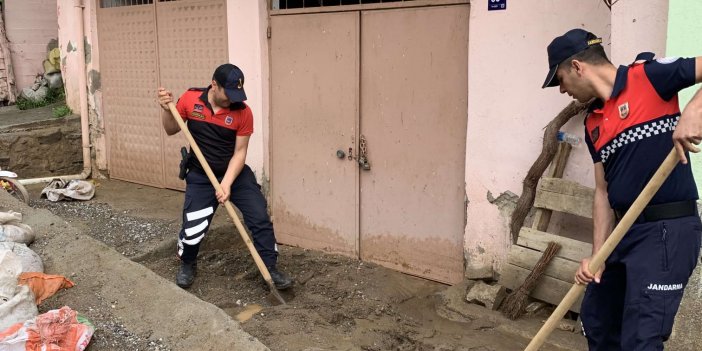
column 612, row 241
column 218, row 188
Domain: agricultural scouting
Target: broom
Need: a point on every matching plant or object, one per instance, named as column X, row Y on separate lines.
column 516, row 301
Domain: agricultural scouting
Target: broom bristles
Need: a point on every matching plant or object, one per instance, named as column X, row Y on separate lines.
column 516, row 301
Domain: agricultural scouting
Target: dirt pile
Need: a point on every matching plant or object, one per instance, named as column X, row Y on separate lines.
column 338, row 303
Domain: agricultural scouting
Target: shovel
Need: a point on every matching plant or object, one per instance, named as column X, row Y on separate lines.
column 601, row 256
column 228, row 205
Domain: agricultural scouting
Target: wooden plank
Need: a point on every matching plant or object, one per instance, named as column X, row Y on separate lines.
column 558, row 268
column 559, row 161
column 564, row 196
column 563, row 203
column 567, row 187
column 548, row 289
column 572, row 250
column 542, row 217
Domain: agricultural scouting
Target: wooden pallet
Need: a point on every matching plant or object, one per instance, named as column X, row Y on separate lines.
column 552, row 194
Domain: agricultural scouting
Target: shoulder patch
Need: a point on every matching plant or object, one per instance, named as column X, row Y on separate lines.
column 667, row 60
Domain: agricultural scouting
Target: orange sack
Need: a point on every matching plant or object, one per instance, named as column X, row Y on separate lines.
column 56, row 330
column 43, row 285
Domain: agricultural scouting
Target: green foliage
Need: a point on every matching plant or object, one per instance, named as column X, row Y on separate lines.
column 52, row 96
column 61, row 111
column 26, row 104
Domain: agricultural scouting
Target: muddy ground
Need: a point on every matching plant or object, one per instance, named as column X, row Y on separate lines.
column 338, row 303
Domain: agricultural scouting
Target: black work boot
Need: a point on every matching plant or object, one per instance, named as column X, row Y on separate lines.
column 280, row 279
column 186, row 274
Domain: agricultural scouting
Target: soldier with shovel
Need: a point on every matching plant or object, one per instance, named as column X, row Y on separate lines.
column 221, row 124
column 634, row 122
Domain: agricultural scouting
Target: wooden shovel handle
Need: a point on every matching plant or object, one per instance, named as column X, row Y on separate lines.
column 228, row 205
column 612, row 241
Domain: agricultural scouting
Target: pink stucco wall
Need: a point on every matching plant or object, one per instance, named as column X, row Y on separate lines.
column 507, row 109
column 31, row 27
column 92, row 66
column 68, row 23
column 248, row 48
column 68, row 37
column 638, row 26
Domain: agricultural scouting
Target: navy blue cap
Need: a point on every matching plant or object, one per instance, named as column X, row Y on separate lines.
column 565, row 46
column 231, row 78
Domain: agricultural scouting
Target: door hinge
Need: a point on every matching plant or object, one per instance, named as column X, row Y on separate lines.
column 268, row 32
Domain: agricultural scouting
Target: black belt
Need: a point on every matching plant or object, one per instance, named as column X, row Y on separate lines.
column 659, row 212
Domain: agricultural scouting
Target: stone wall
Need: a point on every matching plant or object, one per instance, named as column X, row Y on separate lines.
column 42, row 149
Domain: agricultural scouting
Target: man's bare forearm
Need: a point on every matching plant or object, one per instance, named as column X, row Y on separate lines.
column 169, row 124
column 603, row 220
column 236, row 164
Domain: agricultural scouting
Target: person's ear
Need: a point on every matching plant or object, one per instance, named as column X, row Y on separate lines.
column 214, row 83
column 578, row 67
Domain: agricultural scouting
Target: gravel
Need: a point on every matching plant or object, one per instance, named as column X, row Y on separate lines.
column 120, row 230
column 127, row 234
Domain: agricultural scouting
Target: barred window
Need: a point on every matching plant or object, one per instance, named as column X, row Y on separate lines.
column 296, row 4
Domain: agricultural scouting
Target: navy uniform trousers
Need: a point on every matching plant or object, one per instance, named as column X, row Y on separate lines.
column 634, row 305
column 201, row 204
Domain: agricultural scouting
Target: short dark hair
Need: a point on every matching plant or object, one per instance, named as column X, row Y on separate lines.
column 594, row 55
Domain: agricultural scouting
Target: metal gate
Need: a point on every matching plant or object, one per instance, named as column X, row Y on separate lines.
column 389, row 86
column 144, row 44
column 315, row 115
column 414, row 103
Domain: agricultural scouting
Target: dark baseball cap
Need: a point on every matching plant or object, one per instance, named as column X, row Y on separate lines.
column 231, row 78
column 565, row 46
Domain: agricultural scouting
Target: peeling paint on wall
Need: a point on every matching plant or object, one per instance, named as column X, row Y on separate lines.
column 88, row 50
column 479, row 262
column 466, row 201
column 94, row 82
column 53, row 44
column 476, row 266
column 70, row 47
column 506, row 201
column 265, row 185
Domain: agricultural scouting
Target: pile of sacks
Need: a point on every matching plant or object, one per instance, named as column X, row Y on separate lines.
column 23, row 286
column 15, row 236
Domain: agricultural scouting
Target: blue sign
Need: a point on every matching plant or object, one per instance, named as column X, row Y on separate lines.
column 497, row 5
